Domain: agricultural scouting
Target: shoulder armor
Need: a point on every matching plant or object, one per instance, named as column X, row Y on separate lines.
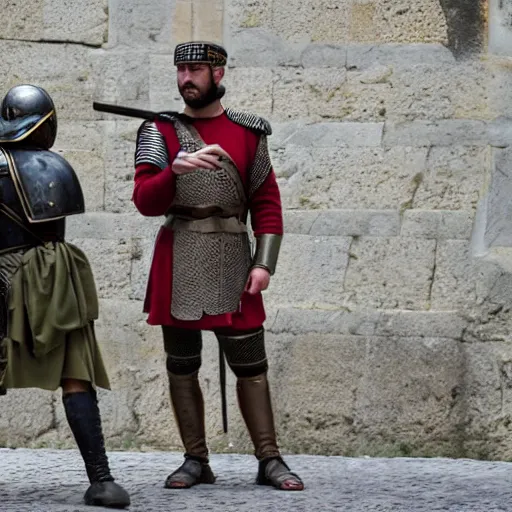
column 19, row 129
column 248, row 120
column 151, row 147
column 46, row 184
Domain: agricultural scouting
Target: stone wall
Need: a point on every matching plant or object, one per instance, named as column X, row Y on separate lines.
column 389, row 317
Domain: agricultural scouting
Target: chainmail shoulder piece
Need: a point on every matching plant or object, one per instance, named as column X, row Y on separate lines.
column 151, row 148
column 249, row 120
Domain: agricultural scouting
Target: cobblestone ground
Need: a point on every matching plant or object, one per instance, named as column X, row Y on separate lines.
column 54, row 481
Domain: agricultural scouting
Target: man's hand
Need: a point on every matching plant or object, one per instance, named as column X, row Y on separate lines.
column 259, row 279
column 205, row 158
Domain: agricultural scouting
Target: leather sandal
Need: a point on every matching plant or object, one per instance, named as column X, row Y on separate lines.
column 275, row 472
column 190, row 473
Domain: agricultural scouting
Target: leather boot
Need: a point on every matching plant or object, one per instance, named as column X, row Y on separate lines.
column 256, row 408
column 188, row 406
column 84, row 420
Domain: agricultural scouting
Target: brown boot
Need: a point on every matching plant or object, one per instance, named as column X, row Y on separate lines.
column 256, row 408
column 188, row 406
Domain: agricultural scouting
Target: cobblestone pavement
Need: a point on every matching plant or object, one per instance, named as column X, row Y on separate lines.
column 54, row 481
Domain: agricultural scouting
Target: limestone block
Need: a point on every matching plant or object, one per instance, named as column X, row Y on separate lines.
column 390, row 273
column 455, row 276
column 315, row 267
column 317, row 93
column 500, row 89
column 182, row 21
column 320, row 20
column 208, row 20
column 249, row 89
column 366, row 322
column 500, row 132
column 119, row 165
column 64, row 70
column 141, row 24
column 453, row 178
column 105, row 225
column 25, row 415
column 141, row 264
column 449, row 132
column 498, row 231
column 398, row 56
column 342, row 222
column 61, row 20
column 440, row 224
column 260, row 47
column 487, row 390
column 163, row 91
column 317, row 55
column 111, row 264
column 363, row 393
column 399, row 21
column 244, row 14
column 82, row 144
column 346, row 178
column 121, row 77
column 409, row 396
column 434, row 91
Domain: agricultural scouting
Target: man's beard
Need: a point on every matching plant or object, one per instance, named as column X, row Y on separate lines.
column 203, row 99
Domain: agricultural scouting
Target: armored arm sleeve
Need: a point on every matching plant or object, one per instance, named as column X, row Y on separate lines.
column 154, row 179
column 266, row 210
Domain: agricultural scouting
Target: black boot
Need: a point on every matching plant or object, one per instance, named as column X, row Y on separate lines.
column 84, row 420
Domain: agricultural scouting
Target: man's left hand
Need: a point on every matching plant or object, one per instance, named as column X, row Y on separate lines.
column 259, row 279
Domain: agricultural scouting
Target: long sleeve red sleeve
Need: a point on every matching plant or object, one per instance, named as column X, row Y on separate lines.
column 154, row 189
column 265, row 207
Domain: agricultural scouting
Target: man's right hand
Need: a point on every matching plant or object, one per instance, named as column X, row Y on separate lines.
column 205, row 158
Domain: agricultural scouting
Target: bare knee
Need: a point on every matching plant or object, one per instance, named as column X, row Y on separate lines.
column 74, row 386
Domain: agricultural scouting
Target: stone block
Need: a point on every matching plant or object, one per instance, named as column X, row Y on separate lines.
column 409, row 395
column 449, row 132
column 260, row 47
column 163, row 90
column 440, row 224
column 243, row 14
column 60, row 20
column 398, row 56
column 500, row 132
column 313, row 177
column 320, row 21
column 454, row 280
column 342, row 222
column 64, row 70
column 453, row 178
column 111, row 265
column 208, row 20
column 317, row 55
column 120, row 140
column 390, row 273
column 317, row 93
column 249, row 89
column 141, row 24
column 421, row 21
column 121, row 77
column 315, row 267
column 26, row 415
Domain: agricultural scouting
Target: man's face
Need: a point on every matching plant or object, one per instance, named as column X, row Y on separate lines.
column 197, row 84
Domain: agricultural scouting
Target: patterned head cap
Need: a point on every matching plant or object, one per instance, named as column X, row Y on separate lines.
column 201, row 52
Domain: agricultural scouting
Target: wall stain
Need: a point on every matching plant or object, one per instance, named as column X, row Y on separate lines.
column 467, row 21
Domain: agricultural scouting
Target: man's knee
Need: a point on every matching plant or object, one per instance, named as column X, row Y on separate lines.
column 183, row 348
column 245, row 351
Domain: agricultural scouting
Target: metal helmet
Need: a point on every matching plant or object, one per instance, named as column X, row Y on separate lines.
column 29, row 100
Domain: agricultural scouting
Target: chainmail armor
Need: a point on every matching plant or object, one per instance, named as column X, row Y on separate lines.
column 183, row 348
column 261, row 167
column 245, row 353
column 151, row 148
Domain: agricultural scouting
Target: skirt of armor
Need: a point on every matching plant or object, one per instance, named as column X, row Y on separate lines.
column 75, row 356
column 209, row 273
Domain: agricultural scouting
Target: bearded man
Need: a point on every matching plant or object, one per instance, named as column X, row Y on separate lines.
column 206, row 170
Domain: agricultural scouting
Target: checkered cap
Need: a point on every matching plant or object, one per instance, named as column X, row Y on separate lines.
column 199, row 51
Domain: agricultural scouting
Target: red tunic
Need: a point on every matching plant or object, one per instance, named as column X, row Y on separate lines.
column 153, row 193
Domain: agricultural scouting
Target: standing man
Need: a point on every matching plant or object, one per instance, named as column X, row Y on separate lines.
column 48, row 300
column 206, row 169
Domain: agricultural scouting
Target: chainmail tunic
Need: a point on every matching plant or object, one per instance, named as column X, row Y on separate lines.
column 210, row 264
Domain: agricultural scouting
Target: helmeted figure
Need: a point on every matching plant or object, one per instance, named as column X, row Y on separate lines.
column 206, row 170
column 48, row 300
